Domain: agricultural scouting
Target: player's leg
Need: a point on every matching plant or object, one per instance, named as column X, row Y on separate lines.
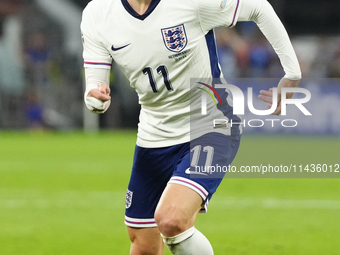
column 145, row 241
column 177, row 209
column 151, row 171
column 175, row 216
column 188, row 192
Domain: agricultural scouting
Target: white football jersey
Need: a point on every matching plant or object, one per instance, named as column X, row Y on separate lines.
column 159, row 52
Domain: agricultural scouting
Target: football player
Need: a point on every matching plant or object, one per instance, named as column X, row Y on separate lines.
column 159, row 46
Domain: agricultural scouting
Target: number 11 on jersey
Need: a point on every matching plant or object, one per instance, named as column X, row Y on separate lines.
column 161, row 70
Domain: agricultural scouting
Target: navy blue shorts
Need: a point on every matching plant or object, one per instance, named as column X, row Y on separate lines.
column 154, row 168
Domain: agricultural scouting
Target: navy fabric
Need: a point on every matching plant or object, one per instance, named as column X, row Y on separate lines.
column 150, row 9
column 153, row 168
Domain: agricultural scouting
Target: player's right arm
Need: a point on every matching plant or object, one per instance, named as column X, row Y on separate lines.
column 97, row 63
column 215, row 13
column 262, row 13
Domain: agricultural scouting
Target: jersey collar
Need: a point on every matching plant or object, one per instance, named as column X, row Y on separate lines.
column 150, row 9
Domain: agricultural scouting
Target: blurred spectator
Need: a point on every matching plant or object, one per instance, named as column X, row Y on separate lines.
column 38, row 58
column 38, row 66
column 233, row 52
column 226, row 54
column 244, row 52
column 34, row 112
column 260, row 56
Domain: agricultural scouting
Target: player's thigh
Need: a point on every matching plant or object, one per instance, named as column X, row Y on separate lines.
column 151, row 171
column 214, row 150
column 177, row 209
column 145, row 241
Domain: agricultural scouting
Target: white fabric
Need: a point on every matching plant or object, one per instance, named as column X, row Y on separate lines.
column 190, row 242
column 262, row 13
column 216, row 13
column 180, row 237
column 97, row 106
column 94, row 77
column 137, row 46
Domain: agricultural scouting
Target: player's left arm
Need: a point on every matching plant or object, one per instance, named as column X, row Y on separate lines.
column 262, row 13
column 97, row 62
column 97, row 94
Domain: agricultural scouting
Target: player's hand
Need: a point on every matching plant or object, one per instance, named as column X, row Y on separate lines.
column 267, row 95
column 98, row 100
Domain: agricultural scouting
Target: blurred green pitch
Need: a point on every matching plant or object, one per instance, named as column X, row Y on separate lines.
column 64, row 193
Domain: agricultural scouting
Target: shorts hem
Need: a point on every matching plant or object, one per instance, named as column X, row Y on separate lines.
column 140, row 223
column 195, row 187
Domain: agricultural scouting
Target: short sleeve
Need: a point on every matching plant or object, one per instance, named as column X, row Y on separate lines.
column 216, row 13
column 94, row 52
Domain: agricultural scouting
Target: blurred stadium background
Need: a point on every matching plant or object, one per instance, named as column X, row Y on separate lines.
column 64, row 170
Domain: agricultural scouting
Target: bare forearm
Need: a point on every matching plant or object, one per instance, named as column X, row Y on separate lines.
column 287, row 83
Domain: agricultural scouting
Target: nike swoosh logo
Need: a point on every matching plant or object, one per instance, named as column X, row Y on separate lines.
column 119, row 48
column 187, row 171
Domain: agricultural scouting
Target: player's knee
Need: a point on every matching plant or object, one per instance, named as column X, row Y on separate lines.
column 170, row 227
column 170, row 224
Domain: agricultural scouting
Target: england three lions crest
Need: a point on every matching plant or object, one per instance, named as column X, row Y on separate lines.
column 128, row 198
column 175, row 38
